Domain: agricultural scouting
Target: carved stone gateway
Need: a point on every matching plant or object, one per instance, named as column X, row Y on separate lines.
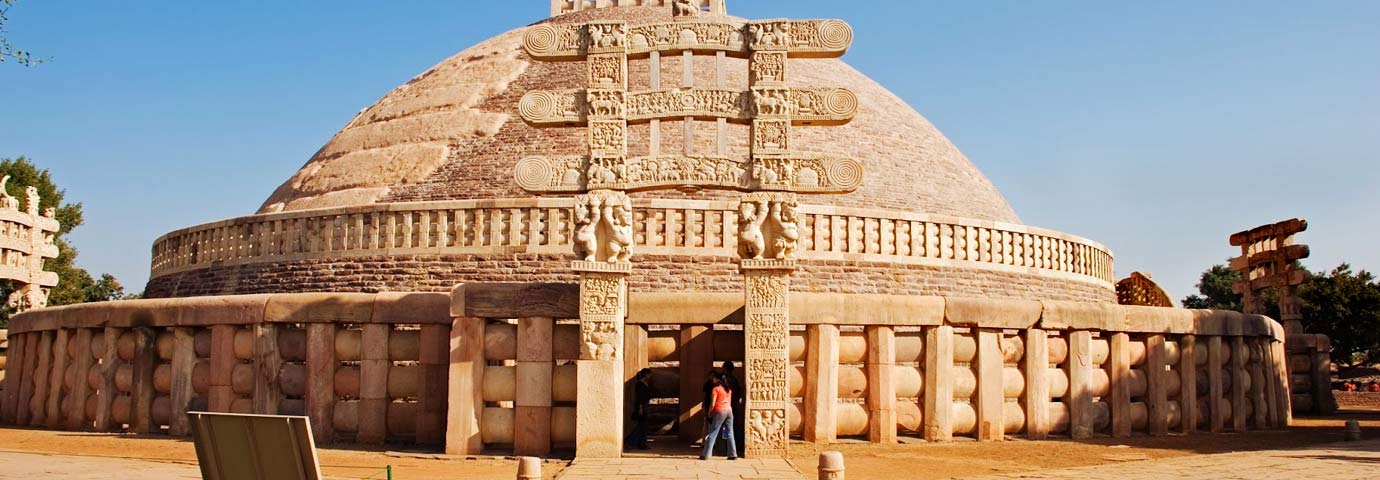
column 29, row 241
column 773, row 172
column 1268, row 254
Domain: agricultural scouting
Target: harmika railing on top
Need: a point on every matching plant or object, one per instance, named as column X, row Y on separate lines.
column 681, row 227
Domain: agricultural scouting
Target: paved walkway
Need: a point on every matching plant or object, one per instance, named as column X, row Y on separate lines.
column 1338, row 461
column 679, row 469
column 21, row 465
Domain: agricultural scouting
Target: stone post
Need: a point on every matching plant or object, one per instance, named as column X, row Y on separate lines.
column 1036, row 401
column 143, row 392
column 321, row 366
column 881, row 384
column 939, row 383
column 831, row 466
column 57, row 373
column 990, row 399
column 466, row 372
column 599, row 401
column 1079, row 399
column 532, row 427
column 1216, row 417
column 374, row 367
column 1157, row 403
column 81, row 387
column 183, row 362
column 821, row 383
column 767, row 338
column 1188, row 385
column 267, row 363
column 105, row 394
column 1237, row 395
column 1118, row 368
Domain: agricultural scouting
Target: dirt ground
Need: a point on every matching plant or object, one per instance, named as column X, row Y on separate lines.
column 911, row 459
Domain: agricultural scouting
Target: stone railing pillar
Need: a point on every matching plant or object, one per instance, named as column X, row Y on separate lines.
column 1079, row 369
column 321, row 366
column 532, row 424
column 1036, row 370
column 939, row 383
column 183, row 363
column 1157, row 402
column 1216, row 417
column 466, row 395
column 1188, row 384
column 767, row 334
column 881, row 384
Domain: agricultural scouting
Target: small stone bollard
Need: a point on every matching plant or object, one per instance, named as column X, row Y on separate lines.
column 529, row 468
column 1353, row 430
column 830, row 466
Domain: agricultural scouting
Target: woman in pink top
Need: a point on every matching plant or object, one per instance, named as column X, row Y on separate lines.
column 721, row 414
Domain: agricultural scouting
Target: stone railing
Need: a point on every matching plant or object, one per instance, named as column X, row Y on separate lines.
column 879, row 366
column 365, row 368
column 680, row 227
column 490, row 365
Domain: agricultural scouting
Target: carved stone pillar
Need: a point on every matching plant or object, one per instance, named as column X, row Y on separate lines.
column 768, row 230
column 599, row 401
column 603, row 234
column 767, row 333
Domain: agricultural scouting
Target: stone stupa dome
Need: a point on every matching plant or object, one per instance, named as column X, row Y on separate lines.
column 420, row 192
column 454, row 132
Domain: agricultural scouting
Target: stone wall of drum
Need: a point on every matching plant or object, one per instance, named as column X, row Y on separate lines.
column 950, row 371
column 845, row 250
column 365, row 368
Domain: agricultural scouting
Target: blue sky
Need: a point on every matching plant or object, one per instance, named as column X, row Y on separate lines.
column 1156, row 128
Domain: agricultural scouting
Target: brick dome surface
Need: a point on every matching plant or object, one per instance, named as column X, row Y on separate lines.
column 454, row 133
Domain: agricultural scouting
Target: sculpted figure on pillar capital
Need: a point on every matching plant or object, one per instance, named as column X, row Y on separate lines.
column 604, row 227
column 768, row 226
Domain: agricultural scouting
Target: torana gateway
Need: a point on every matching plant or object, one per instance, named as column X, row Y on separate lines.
column 484, row 258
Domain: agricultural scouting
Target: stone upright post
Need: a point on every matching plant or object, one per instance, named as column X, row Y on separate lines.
column 768, row 230
column 603, row 238
column 599, row 401
column 767, row 334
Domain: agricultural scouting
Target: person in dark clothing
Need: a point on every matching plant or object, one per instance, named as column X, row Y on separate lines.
column 642, row 398
column 739, row 403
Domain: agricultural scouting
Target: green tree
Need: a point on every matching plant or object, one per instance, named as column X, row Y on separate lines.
column 1345, row 306
column 23, row 57
column 1214, row 290
column 75, row 285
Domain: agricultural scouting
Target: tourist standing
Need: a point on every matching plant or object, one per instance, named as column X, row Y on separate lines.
column 739, row 402
column 721, row 414
column 642, row 398
column 708, row 404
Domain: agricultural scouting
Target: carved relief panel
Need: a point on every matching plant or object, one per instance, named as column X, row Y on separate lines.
column 767, row 333
column 805, row 106
column 805, row 38
column 776, row 173
column 603, row 304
